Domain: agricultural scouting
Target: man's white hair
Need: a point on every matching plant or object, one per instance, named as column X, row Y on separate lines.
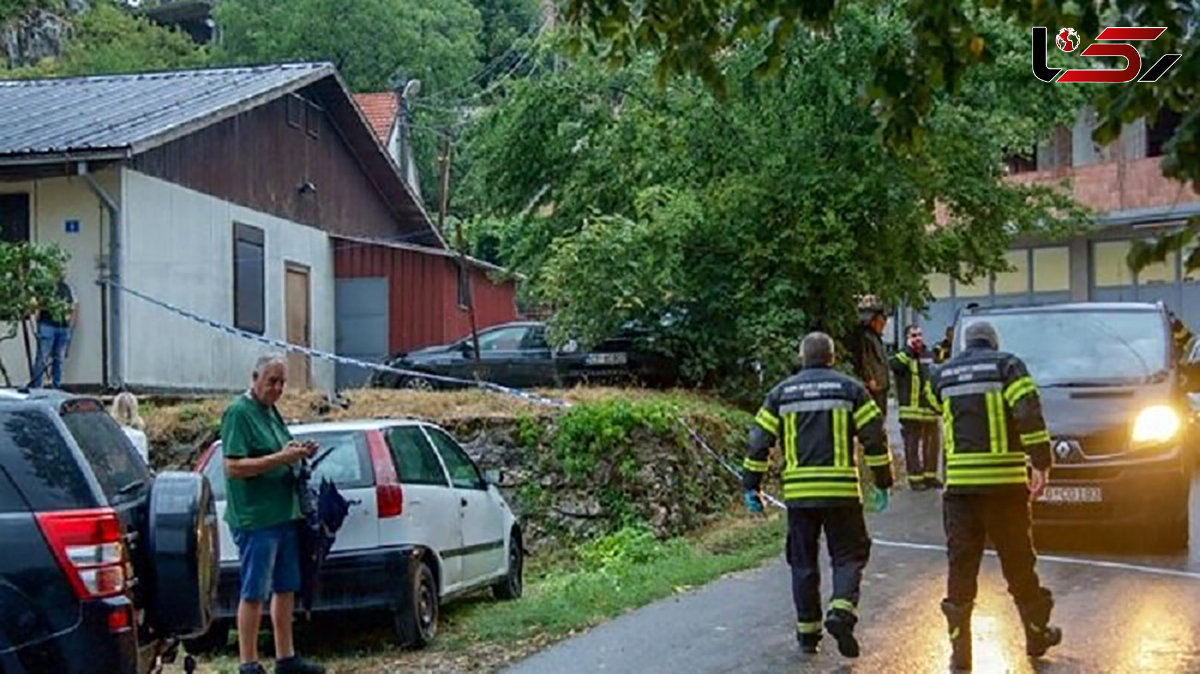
column 268, row 359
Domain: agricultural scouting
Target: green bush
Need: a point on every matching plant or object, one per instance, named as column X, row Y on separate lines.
column 628, row 546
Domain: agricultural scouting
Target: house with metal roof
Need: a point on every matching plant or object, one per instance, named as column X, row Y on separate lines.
column 218, row 192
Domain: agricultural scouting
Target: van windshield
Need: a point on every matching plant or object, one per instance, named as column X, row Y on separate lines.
column 1062, row 348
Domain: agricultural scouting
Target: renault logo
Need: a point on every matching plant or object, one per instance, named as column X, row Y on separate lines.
column 1062, row 449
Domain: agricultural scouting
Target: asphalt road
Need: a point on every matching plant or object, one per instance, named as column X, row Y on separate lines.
column 1121, row 609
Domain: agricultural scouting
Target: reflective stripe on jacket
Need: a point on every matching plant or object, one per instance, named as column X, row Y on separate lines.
column 992, row 422
column 813, row 416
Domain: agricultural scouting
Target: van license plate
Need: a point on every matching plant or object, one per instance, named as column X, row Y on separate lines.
column 1071, row 495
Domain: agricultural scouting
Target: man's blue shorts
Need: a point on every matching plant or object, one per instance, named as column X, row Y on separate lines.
column 270, row 560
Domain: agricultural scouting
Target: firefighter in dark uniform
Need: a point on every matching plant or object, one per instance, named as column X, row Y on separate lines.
column 943, row 349
column 813, row 415
column 993, row 427
column 918, row 420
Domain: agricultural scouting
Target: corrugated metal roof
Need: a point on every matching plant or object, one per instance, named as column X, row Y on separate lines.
column 128, row 112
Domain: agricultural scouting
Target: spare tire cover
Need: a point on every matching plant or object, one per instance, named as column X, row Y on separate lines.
column 185, row 553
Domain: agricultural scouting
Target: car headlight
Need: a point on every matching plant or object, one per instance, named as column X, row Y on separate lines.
column 1155, row 424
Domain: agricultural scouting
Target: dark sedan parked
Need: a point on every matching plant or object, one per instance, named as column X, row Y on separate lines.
column 518, row 355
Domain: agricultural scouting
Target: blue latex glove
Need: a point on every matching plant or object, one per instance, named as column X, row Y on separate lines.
column 754, row 501
column 876, row 499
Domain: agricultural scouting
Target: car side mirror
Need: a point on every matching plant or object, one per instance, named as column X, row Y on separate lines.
column 466, row 348
column 493, row 476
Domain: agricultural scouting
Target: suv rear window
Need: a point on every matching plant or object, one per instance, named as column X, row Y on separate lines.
column 34, row 455
column 113, row 459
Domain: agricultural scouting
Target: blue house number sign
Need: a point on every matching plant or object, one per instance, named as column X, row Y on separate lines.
column 71, row 226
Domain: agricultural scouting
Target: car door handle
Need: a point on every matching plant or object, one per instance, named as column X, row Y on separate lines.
column 463, row 501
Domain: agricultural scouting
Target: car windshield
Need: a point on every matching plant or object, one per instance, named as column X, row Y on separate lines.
column 1061, row 348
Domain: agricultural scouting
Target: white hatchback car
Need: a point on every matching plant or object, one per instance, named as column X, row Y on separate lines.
column 424, row 526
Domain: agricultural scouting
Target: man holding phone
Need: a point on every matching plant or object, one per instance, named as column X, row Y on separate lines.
column 263, row 511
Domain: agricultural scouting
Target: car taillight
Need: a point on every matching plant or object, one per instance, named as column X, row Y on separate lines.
column 120, row 619
column 389, row 497
column 88, row 547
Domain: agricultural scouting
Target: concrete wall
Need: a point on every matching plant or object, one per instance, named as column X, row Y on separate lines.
column 179, row 248
column 53, row 202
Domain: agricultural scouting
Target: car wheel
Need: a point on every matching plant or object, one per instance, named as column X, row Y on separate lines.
column 416, row 620
column 417, row 384
column 513, row 583
column 212, row 641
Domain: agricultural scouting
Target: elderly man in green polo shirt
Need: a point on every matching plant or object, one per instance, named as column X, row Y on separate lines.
column 263, row 511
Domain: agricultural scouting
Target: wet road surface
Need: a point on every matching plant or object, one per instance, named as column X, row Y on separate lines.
column 1122, row 609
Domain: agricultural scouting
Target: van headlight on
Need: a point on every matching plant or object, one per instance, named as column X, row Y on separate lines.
column 1156, row 424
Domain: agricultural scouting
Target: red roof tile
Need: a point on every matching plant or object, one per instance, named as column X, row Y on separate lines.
column 380, row 111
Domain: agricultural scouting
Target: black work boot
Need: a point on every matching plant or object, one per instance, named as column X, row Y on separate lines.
column 840, row 625
column 958, row 621
column 297, row 665
column 1040, row 636
column 808, row 642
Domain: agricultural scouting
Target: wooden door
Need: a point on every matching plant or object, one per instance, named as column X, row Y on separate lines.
column 299, row 323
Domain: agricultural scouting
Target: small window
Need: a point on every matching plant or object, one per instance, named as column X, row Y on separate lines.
column 463, row 473
column 535, row 339
column 1161, row 130
column 14, row 218
column 249, row 279
column 939, row 285
column 414, row 457
column 313, row 120
column 344, row 459
column 295, row 111
column 1051, row 269
column 464, row 285
column 118, row 467
column 1014, row 282
column 977, row 288
column 504, row 339
column 1158, row 273
column 1110, row 267
column 1022, row 163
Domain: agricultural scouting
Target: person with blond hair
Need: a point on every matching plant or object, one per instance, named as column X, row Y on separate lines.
column 125, row 411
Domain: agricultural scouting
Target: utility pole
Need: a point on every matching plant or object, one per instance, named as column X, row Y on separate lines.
column 464, row 276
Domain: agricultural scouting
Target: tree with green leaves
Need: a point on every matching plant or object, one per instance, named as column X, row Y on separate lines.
column 905, row 79
column 28, row 280
column 108, row 39
column 730, row 224
column 373, row 43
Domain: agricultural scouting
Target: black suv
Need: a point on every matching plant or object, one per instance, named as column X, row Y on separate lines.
column 1114, row 397
column 105, row 565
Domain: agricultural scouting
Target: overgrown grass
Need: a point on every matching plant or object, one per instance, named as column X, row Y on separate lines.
column 617, row 573
column 604, row 578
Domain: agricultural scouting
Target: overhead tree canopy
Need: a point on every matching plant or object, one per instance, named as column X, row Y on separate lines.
column 727, row 225
column 904, row 80
column 372, row 42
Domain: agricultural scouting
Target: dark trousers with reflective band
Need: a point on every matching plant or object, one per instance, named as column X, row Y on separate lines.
column 1003, row 517
column 920, row 449
column 849, row 550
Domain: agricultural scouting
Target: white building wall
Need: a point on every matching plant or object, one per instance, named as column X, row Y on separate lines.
column 178, row 247
column 53, row 202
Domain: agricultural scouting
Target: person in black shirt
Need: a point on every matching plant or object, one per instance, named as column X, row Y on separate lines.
column 54, row 328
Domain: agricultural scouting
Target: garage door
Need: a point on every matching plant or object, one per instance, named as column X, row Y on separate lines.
column 362, row 326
